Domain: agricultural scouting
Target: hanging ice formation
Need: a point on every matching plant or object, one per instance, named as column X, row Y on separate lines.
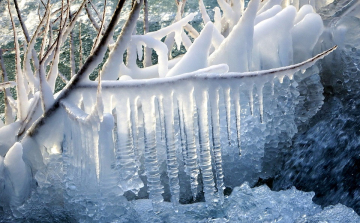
column 197, row 128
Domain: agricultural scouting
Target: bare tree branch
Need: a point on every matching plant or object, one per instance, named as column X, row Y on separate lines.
column 80, row 48
column 91, row 18
column 8, row 112
column 26, row 34
column 45, row 38
column 25, row 31
column 72, row 50
column 95, row 9
column 100, row 30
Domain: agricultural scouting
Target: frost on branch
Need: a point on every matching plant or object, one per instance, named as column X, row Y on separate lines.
column 195, row 123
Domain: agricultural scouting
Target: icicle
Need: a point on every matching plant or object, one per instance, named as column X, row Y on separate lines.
column 160, row 49
column 182, row 136
column 160, row 119
column 125, row 151
column 192, row 164
column 151, row 161
column 236, row 95
column 178, row 38
column 94, row 148
column 227, row 100
column 91, row 169
column 251, row 98
column 135, row 129
column 204, row 150
column 139, row 51
column 106, row 154
column 260, row 88
column 167, row 105
column 18, row 173
column 215, row 121
column 281, row 78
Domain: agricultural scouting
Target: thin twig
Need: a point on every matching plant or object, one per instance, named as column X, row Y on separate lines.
column 26, row 34
column 91, row 18
column 101, row 29
column 80, row 48
column 72, row 52
column 22, row 24
column 8, row 112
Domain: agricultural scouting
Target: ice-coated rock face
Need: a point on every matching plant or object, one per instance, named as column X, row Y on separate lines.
column 325, row 159
column 245, row 204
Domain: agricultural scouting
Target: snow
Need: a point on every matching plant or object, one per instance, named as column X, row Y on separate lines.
column 18, row 175
column 8, row 136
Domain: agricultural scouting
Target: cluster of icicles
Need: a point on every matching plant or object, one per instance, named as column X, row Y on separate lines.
column 108, row 135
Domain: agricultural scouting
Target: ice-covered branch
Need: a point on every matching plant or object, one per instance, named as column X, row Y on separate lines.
column 217, row 72
column 22, row 100
column 111, row 67
column 33, row 81
column 7, row 84
column 89, row 65
column 177, row 26
column 147, row 52
column 26, row 34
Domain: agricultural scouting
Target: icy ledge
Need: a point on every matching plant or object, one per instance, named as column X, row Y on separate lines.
column 247, row 204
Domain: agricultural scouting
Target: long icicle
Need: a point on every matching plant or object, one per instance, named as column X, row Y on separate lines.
column 151, row 161
column 215, row 121
column 191, row 163
column 167, row 105
column 204, row 150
